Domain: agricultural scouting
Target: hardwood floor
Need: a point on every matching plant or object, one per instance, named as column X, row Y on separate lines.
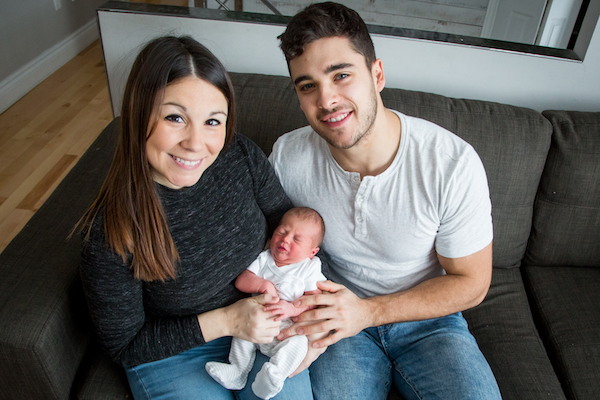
column 44, row 134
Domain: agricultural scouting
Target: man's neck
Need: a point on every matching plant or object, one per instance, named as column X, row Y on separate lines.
column 375, row 152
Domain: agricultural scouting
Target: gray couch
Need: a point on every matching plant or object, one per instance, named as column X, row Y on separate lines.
column 539, row 326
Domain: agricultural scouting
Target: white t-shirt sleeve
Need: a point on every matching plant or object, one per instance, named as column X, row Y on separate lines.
column 466, row 219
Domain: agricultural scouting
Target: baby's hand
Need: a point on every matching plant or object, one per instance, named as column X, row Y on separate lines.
column 269, row 288
column 282, row 309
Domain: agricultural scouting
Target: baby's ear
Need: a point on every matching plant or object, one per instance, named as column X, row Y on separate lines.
column 314, row 251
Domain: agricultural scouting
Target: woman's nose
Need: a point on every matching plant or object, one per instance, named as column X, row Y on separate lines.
column 194, row 141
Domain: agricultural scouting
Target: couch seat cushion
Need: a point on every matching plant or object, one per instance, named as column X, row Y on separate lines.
column 566, row 302
column 506, row 334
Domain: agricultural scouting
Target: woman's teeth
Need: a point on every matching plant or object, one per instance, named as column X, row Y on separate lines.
column 186, row 162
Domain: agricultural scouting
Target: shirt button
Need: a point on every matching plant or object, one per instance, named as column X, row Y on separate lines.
column 359, row 199
column 359, row 220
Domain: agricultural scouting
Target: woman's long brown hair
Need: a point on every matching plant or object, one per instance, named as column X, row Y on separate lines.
column 134, row 221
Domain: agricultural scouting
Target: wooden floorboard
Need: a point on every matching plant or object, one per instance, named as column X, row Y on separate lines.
column 43, row 135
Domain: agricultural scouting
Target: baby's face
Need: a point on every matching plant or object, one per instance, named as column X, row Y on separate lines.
column 294, row 240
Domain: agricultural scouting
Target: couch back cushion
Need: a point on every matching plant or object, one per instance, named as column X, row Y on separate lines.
column 566, row 224
column 512, row 142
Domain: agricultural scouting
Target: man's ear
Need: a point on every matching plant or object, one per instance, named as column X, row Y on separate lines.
column 378, row 75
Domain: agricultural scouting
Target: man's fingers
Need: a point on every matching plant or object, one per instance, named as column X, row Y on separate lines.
column 303, row 328
column 323, row 299
column 329, row 286
column 328, row 341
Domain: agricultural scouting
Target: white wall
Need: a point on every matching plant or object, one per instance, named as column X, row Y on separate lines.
column 36, row 39
column 453, row 70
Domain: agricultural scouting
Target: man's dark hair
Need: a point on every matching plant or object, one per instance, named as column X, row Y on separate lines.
column 325, row 20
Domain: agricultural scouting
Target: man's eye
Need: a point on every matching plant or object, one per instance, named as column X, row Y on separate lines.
column 174, row 118
column 341, row 76
column 306, row 87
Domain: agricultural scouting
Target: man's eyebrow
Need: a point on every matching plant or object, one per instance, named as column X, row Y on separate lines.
column 337, row 67
column 300, row 79
column 328, row 70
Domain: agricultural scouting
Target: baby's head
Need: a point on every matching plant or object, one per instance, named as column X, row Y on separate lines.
column 298, row 236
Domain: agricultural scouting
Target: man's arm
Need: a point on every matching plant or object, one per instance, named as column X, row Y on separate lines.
column 465, row 285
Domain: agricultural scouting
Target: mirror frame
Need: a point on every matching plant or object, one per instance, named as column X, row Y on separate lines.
column 578, row 45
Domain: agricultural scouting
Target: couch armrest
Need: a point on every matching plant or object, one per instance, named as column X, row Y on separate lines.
column 44, row 328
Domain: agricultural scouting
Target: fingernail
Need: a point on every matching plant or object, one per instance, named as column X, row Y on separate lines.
column 300, row 331
column 297, row 304
column 316, row 345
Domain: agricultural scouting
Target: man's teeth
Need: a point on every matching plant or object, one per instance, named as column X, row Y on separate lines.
column 186, row 162
column 338, row 118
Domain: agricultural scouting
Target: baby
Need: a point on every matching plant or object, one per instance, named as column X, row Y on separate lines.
column 286, row 271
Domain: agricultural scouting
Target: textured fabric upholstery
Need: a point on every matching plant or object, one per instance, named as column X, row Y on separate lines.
column 566, row 301
column 566, row 227
column 563, row 256
column 507, row 336
column 44, row 331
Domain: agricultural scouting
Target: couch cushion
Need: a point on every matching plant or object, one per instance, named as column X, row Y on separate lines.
column 267, row 107
column 566, row 224
column 101, row 379
column 44, row 330
column 505, row 331
column 567, row 305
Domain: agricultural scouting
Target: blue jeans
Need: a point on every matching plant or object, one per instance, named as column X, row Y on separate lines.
column 183, row 377
column 432, row 359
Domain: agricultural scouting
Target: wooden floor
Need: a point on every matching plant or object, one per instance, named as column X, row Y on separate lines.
column 44, row 134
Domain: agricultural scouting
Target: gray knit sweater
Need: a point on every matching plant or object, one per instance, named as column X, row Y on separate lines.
column 219, row 226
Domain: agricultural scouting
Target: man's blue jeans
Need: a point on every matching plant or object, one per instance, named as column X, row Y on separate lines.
column 432, row 359
column 184, row 377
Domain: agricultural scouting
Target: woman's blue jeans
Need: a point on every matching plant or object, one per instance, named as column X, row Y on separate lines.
column 183, row 377
column 432, row 359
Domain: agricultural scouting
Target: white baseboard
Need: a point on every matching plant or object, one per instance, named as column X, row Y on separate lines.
column 33, row 73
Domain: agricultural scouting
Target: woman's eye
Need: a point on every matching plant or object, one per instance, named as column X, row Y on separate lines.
column 213, row 122
column 174, row 118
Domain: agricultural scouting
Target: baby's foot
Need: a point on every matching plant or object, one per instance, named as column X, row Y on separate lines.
column 268, row 382
column 229, row 376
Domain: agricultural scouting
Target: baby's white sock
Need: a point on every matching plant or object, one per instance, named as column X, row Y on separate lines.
column 228, row 375
column 268, row 382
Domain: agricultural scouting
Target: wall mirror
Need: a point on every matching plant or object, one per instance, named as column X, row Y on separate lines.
column 558, row 28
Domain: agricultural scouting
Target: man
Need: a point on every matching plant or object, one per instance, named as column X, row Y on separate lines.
column 408, row 216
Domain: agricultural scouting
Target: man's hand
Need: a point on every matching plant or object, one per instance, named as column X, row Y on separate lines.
column 338, row 310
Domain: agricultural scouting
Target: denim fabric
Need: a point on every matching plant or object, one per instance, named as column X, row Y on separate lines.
column 432, row 359
column 183, row 377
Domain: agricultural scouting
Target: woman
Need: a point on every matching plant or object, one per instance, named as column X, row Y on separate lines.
column 187, row 205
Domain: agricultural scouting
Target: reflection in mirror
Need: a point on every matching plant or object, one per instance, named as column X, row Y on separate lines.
column 548, row 23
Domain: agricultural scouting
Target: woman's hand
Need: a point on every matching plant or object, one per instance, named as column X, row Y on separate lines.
column 244, row 319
